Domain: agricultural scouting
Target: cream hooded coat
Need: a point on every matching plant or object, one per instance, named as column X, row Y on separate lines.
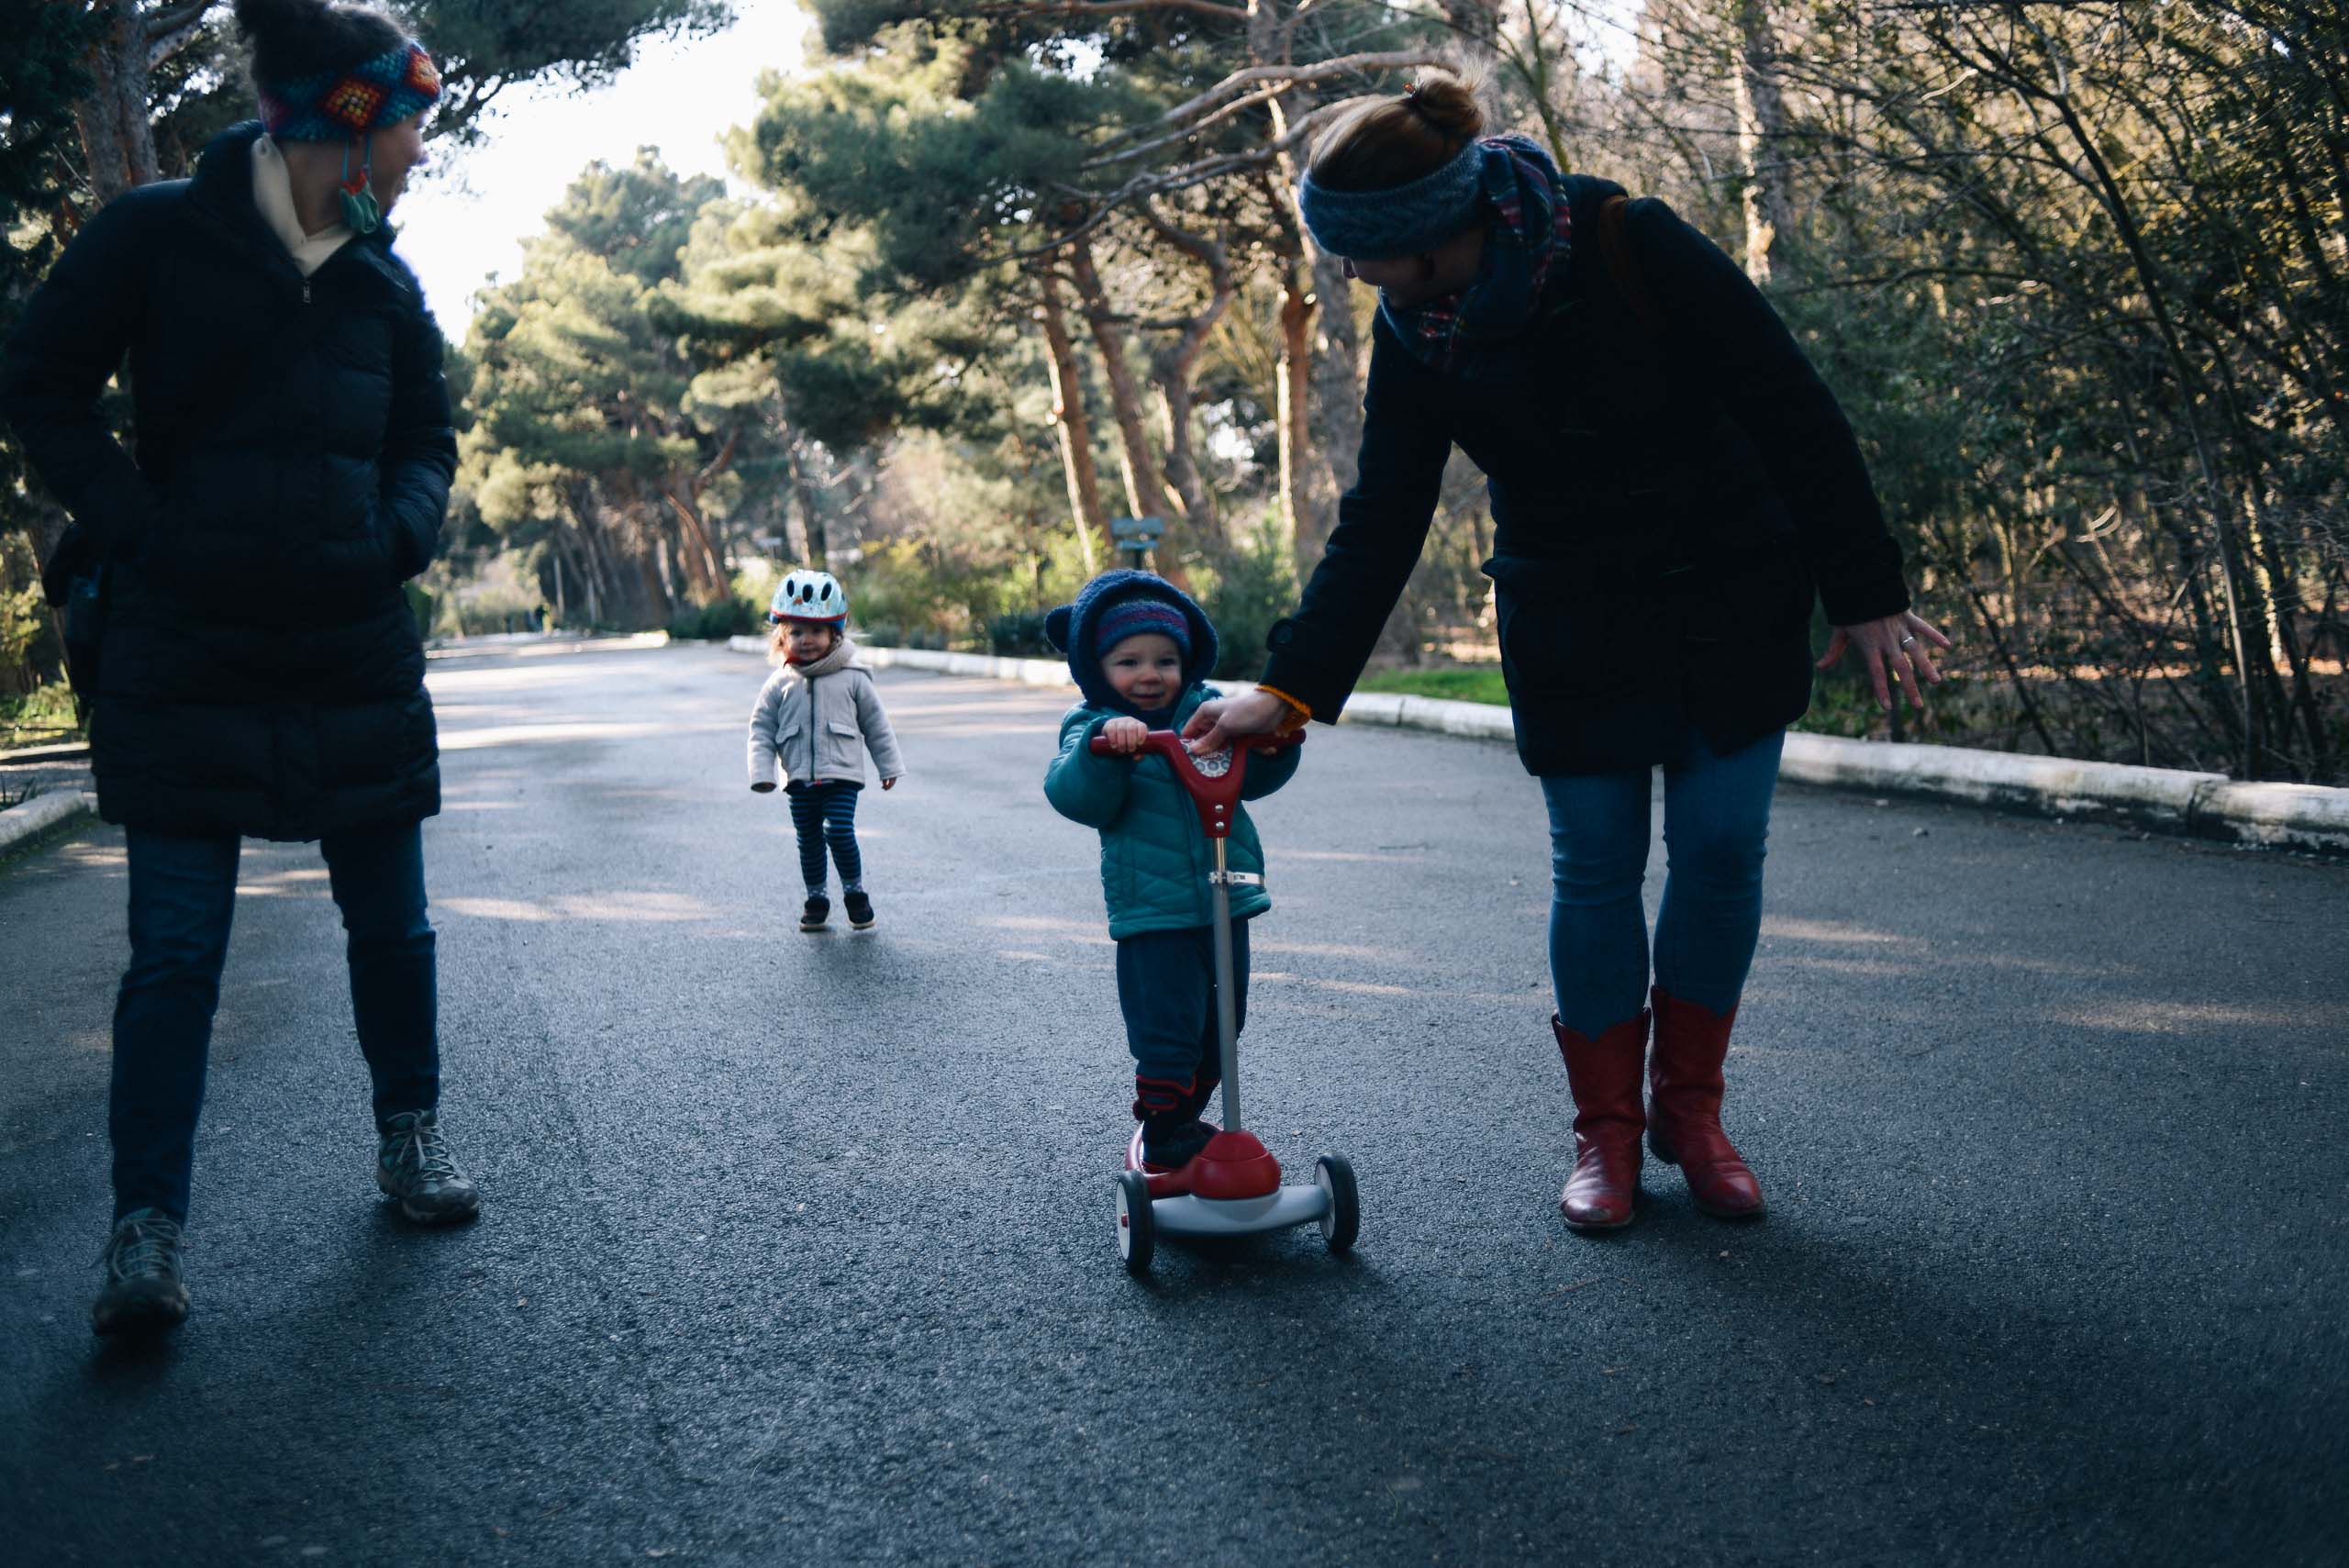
column 816, row 722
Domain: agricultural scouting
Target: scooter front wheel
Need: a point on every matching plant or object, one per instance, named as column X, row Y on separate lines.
column 1137, row 1233
column 1342, row 1221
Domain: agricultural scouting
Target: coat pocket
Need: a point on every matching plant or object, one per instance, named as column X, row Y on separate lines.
column 1568, row 629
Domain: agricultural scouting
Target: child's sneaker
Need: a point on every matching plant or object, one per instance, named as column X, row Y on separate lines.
column 859, row 908
column 1172, row 1141
column 812, row 915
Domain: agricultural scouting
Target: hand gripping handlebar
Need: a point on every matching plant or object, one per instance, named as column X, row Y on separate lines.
column 1212, row 781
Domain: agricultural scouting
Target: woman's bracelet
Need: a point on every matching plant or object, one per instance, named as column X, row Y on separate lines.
column 1298, row 715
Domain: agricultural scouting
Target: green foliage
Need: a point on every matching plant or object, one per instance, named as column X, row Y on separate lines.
column 1020, row 634
column 42, row 717
column 1254, row 588
column 1463, row 683
column 716, row 622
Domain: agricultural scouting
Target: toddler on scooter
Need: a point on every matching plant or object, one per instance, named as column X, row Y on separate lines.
column 1140, row 651
column 815, row 719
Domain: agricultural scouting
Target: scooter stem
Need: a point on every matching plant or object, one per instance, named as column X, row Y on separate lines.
column 1227, row 1030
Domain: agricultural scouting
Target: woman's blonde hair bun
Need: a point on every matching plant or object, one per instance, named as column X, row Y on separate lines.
column 1447, row 103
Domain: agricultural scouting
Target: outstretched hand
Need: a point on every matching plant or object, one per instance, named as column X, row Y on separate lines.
column 1223, row 723
column 1897, row 647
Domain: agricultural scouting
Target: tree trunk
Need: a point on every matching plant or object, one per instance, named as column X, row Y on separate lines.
column 1331, row 416
column 805, row 524
column 1135, row 463
column 1174, row 367
column 1068, row 419
column 117, row 144
column 1308, row 504
column 1760, row 137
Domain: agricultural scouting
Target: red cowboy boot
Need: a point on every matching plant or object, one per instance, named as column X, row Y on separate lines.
column 1604, row 1075
column 1685, row 1106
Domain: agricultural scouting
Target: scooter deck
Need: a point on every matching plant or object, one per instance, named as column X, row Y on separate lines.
column 1276, row 1210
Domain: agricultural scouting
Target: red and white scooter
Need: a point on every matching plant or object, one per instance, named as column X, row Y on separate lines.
column 1233, row 1186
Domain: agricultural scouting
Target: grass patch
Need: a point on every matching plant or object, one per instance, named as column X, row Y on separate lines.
column 42, row 717
column 1462, row 682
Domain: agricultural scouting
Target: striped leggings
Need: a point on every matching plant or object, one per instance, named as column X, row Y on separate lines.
column 825, row 814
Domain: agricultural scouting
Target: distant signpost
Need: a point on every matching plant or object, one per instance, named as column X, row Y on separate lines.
column 1137, row 537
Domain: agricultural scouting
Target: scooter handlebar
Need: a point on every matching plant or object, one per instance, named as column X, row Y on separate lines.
column 1168, row 742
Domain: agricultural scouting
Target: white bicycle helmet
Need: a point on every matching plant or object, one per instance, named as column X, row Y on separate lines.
column 811, row 596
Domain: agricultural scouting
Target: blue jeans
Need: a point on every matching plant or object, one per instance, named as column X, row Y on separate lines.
column 182, row 896
column 1716, row 823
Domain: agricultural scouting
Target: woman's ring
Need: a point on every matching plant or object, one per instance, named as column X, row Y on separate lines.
column 1907, row 641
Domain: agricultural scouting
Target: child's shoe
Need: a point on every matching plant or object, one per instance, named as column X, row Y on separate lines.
column 812, row 914
column 859, row 908
column 1172, row 1140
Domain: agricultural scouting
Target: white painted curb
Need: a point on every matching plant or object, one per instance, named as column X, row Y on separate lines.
column 2211, row 805
column 42, row 813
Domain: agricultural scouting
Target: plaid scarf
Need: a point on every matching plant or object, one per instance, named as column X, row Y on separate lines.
column 1477, row 332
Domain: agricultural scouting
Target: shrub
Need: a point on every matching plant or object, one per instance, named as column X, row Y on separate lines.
column 1020, row 634
column 1254, row 588
column 729, row 617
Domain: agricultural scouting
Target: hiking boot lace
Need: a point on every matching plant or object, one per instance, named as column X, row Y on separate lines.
column 145, row 1241
column 417, row 1143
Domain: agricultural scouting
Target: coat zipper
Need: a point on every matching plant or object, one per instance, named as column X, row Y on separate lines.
column 810, row 682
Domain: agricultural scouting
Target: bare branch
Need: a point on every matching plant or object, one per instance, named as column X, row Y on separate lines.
column 1109, row 7
column 173, row 29
column 1299, row 76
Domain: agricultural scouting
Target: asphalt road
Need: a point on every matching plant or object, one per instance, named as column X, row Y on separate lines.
column 798, row 1249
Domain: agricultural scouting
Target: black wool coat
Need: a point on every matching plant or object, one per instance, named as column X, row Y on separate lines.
column 1671, row 484
column 261, row 672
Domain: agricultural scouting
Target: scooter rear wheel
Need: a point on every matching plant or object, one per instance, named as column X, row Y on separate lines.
column 1341, row 1222
column 1137, row 1233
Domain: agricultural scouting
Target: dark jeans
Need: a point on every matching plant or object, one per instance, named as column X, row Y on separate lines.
column 1166, row 990
column 183, row 895
column 1716, row 830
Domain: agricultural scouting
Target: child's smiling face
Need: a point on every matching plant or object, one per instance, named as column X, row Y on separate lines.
column 810, row 641
column 1145, row 670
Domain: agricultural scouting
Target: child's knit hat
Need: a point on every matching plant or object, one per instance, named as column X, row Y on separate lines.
column 1136, row 616
column 1119, row 605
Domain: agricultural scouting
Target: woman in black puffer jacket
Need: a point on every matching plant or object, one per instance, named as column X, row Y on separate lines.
column 1672, row 487
column 261, row 674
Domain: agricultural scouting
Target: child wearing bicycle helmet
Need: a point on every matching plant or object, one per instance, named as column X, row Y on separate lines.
column 1140, row 650
column 816, row 718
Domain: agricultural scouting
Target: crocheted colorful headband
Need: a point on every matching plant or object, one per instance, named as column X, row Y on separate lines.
column 338, row 105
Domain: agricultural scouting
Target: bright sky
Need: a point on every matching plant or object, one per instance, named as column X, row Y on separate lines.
column 463, row 220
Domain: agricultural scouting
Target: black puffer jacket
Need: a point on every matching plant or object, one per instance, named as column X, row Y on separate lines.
column 261, row 673
column 1670, row 488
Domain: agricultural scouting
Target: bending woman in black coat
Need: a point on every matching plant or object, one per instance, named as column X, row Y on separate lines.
column 1671, row 485
column 261, row 674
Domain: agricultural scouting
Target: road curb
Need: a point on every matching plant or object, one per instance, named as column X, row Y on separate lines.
column 69, row 752
column 2207, row 806
column 42, row 813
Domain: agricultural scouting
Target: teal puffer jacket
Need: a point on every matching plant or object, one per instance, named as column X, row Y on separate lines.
column 1154, row 855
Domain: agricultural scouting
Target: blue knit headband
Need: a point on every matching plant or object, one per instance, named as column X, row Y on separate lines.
column 1406, row 220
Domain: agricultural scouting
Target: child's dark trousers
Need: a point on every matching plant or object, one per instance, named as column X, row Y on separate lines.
column 1166, row 990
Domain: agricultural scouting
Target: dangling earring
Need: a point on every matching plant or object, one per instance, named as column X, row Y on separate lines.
column 359, row 211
